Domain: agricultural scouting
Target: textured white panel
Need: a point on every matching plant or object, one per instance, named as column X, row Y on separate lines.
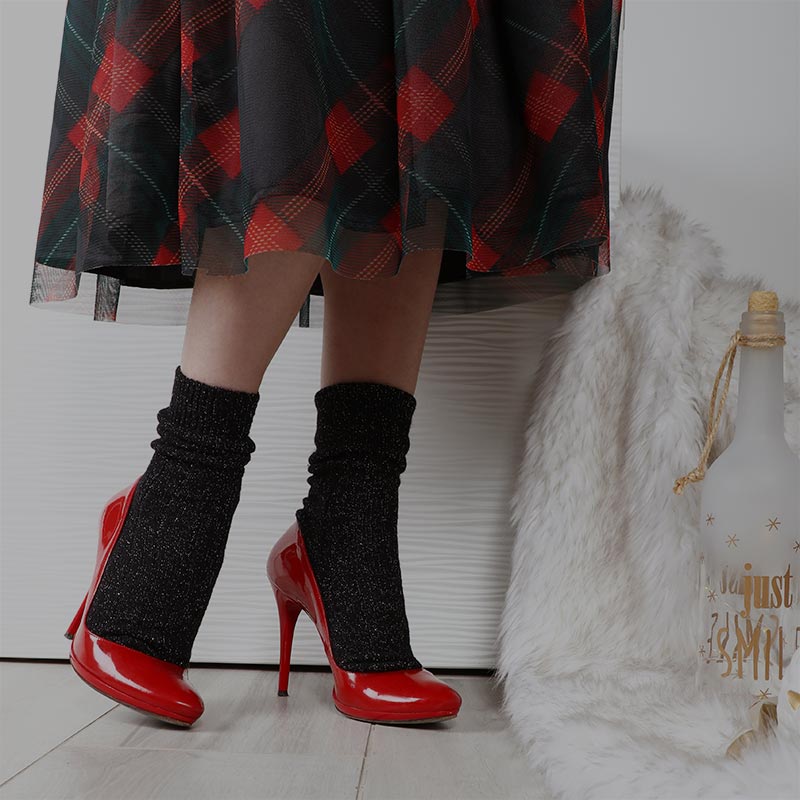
column 78, row 414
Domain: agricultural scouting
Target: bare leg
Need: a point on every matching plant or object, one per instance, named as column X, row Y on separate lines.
column 375, row 329
column 237, row 322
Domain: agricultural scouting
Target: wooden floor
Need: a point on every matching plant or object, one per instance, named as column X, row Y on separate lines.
column 61, row 739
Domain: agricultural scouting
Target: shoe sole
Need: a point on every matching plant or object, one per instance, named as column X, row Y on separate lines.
column 353, row 714
column 398, row 721
column 117, row 696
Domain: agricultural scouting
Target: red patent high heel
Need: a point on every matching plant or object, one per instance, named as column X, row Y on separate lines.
column 405, row 696
column 135, row 679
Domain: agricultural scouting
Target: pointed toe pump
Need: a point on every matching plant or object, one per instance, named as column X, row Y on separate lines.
column 405, row 696
column 135, row 679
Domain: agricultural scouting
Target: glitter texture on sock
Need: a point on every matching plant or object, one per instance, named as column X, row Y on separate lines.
column 161, row 572
column 349, row 522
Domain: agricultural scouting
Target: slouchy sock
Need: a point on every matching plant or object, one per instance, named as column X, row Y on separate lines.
column 349, row 522
column 161, row 572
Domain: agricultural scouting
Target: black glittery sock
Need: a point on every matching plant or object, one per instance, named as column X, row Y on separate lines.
column 349, row 522
column 161, row 572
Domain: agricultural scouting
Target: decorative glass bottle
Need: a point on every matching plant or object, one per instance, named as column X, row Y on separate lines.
column 750, row 520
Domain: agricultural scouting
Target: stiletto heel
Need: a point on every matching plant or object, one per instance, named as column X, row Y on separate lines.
column 403, row 696
column 131, row 677
column 76, row 620
column 288, row 612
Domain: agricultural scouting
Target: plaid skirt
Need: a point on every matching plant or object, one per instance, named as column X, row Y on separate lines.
column 193, row 134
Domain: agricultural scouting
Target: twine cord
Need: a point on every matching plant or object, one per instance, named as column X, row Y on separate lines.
column 759, row 341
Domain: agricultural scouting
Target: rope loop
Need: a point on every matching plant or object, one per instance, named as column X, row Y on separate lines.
column 759, row 341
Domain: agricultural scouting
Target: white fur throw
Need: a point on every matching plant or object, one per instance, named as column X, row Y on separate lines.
column 597, row 653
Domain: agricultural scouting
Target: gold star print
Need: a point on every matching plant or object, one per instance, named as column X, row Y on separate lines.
column 702, row 651
column 732, row 541
column 763, row 695
column 797, row 546
column 710, row 519
column 772, row 525
column 712, row 595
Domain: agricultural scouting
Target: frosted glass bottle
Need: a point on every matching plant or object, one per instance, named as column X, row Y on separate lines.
column 750, row 528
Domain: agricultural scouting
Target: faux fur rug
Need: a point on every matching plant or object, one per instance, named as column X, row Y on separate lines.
column 597, row 650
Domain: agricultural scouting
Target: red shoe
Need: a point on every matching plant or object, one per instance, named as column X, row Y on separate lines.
column 130, row 677
column 397, row 696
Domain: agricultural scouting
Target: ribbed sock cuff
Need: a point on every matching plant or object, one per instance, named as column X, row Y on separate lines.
column 361, row 416
column 211, row 409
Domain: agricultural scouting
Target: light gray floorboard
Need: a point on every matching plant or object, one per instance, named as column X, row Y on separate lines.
column 41, row 705
column 96, row 773
column 243, row 714
column 250, row 743
column 473, row 757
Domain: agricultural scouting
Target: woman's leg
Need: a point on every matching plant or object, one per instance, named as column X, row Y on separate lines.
column 236, row 323
column 374, row 333
column 161, row 572
column 375, row 330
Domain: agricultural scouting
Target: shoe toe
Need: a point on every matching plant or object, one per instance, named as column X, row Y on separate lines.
column 135, row 678
column 398, row 695
column 440, row 698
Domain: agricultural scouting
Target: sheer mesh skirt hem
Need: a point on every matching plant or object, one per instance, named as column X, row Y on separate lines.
column 469, row 275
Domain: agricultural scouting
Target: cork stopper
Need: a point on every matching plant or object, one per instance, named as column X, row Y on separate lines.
column 763, row 302
column 762, row 315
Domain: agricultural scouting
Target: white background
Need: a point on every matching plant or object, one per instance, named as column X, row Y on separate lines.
column 708, row 111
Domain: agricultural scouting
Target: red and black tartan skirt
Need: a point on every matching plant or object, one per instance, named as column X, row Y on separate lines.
column 193, row 134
